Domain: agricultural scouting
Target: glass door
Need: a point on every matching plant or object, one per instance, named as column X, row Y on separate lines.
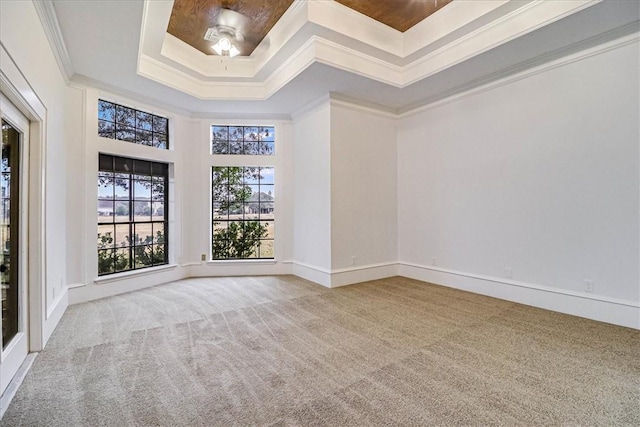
column 8, row 220
column 13, row 285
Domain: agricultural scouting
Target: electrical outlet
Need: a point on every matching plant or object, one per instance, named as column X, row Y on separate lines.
column 353, row 260
column 203, row 257
column 434, row 261
column 588, row 285
column 508, row 272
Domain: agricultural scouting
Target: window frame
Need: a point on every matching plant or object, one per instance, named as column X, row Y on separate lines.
column 141, row 172
column 271, row 158
column 270, row 186
column 252, row 140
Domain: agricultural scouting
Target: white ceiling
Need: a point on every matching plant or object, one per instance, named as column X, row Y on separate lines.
column 112, row 44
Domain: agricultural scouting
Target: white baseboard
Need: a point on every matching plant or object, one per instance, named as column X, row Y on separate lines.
column 76, row 285
column 123, row 283
column 16, row 382
column 344, row 276
column 596, row 307
column 349, row 276
column 54, row 314
column 312, row 273
column 238, row 268
column 603, row 309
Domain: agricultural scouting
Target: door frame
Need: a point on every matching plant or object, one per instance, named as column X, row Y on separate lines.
column 18, row 348
column 19, row 92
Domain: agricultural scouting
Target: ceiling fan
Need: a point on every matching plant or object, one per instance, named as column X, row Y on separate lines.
column 228, row 28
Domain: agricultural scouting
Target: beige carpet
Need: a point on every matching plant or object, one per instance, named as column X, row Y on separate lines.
column 283, row 351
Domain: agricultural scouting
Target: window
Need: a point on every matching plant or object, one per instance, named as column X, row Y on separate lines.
column 251, row 140
column 243, row 212
column 132, row 214
column 128, row 124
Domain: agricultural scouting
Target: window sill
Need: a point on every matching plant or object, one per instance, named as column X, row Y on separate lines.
column 241, row 261
column 132, row 274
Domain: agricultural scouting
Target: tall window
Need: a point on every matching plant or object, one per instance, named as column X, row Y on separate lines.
column 248, row 140
column 132, row 214
column 128, row 124
column 243, row 212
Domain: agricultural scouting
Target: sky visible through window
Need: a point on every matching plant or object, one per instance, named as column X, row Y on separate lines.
column 243, row 140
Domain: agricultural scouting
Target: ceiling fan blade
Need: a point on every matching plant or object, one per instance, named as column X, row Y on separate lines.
column 212, row 35
column 232, row 19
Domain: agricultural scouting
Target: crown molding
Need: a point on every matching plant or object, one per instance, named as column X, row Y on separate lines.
column 51, row 26
column 243, row 117
column 343, row 20
column 456, row 15
column 80, row 81
column 339, row 100
column 153, row 105
column 615, row 39
column 315, row 105
column 509, row 27
column 316, row 49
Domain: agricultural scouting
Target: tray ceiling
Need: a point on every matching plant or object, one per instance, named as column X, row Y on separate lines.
column 190, row 19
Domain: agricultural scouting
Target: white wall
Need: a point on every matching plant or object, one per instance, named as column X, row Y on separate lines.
column 23, row 38
column 538, row 179
column 195, row 208
column 345, row 194
column 363, row 188
column 75, row 158
column 312, row 192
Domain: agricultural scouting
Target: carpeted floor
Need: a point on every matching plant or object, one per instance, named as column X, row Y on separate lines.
column 283, row 351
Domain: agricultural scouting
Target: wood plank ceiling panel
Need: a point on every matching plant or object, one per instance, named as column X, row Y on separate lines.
column 398, row 14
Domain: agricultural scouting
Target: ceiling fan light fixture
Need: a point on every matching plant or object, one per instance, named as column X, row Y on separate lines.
column 224, row 47
column 225, row 44
column 228, row 27
column 217, row 48
column 233, row 51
